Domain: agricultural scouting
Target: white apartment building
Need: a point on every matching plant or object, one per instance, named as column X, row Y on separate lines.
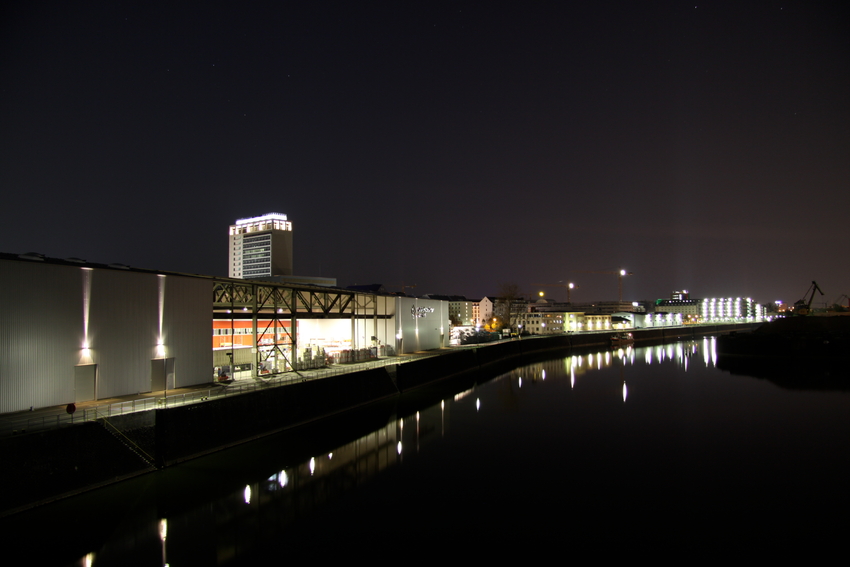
column 558, row 322
column 686, row 307
column 465, row 311
column 485, row 309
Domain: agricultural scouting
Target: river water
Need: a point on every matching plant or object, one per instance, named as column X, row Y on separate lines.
column 649, row 452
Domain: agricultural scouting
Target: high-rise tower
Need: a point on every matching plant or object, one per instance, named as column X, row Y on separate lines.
column 261, row 247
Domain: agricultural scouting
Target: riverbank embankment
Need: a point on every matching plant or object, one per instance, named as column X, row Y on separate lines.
column 48, row 465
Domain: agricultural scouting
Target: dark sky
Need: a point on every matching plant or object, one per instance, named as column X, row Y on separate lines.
column 454, row 145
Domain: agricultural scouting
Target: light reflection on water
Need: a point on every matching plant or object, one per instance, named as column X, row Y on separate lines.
column 686, row 438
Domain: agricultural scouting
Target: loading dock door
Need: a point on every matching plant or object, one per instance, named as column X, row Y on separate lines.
column 162, row 374
column 85, row 380
column 158, row 374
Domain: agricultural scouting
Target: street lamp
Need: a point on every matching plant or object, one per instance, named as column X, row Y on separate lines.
column 620, row 277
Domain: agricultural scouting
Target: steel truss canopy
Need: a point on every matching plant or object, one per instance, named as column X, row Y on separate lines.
column 274, row 309
column 284, row 301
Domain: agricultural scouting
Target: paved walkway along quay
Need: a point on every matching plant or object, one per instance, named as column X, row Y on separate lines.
column 18, row 423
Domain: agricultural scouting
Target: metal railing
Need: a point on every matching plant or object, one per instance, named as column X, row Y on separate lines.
column 26, row 424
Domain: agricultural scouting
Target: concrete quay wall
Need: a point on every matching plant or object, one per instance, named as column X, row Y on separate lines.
column 185, row 432
column 48, row 465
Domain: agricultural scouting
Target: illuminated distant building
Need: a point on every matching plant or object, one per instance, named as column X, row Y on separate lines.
column 462, row 311
column 729, row 309
column 709, row 310
column 555, row 323
column 261, row 247
column 680, row 302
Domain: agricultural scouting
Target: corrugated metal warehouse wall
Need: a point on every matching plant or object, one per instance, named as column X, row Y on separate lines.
column 50, row 313
column 187, row 330
column 41, row 331
column 123, row 331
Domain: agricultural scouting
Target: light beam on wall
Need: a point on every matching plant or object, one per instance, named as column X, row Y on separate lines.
column 160, row 340
column 85, row 355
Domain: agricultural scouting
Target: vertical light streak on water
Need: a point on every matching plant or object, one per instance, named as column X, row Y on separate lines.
column 442, row 418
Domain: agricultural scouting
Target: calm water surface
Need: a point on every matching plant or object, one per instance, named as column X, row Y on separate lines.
column 652, row 452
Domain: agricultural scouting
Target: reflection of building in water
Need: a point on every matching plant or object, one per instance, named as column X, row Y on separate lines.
column 260, row 508
column 293, row 493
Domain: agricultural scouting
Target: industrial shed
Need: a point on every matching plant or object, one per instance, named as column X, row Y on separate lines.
column 74, row 331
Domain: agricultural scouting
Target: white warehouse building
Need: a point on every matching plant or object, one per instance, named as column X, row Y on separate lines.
column 73, row 331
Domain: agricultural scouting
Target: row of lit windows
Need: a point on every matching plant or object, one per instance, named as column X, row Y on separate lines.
column 245, row 331
column 255, row 245
column 257, row 253
column 256, row 238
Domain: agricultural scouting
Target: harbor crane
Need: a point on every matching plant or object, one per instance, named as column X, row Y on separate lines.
column 569, row 286
column 801, row 306
column 620, row 275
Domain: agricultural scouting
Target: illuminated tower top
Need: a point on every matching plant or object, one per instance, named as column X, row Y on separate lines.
column 270, row 221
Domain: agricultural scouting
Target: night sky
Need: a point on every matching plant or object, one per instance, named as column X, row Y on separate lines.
column 452, row 145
